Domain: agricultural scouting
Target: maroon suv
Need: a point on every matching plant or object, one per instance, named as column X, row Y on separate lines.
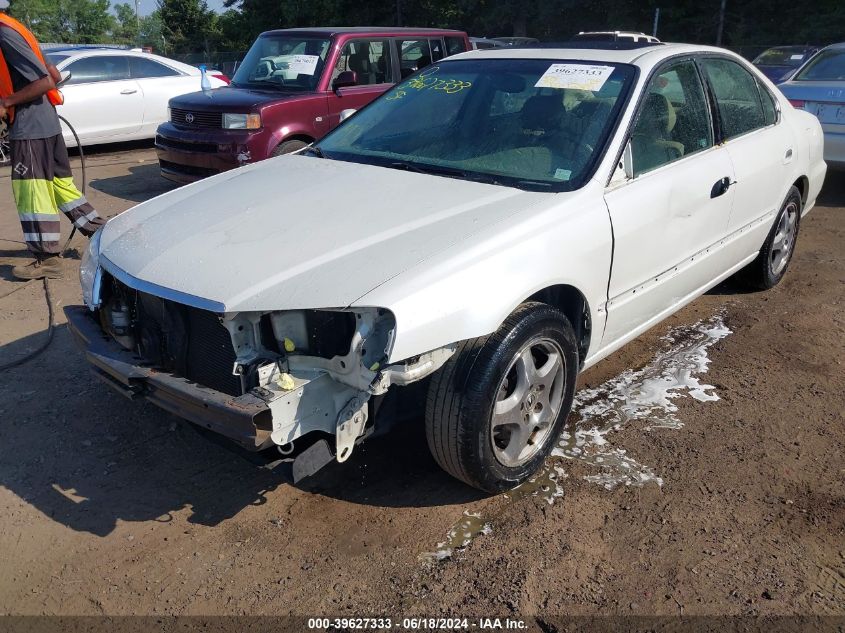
column 290, row 90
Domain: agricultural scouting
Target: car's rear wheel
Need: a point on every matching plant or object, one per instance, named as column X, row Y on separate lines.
column 771, row 263
column 287, row 147
column 497, row 407
column 5, row 147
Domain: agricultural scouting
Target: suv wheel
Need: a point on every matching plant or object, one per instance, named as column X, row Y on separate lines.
column 287, row 147
column 496, row 409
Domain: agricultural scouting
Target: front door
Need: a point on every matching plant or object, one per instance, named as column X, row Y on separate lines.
column 102, row 101
column 371, row 62
column 669, row 218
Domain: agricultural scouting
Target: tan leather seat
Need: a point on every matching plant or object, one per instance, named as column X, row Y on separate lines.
column 652, row 143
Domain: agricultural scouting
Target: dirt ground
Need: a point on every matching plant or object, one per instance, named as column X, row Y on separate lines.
column 114, row 507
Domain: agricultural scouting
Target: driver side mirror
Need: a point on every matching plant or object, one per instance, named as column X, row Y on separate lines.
column 66, row 75
column 345, row 79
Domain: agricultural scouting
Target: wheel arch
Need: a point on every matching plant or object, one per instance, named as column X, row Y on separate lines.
column 572, row 302
column 296, row 136
column 803, row 186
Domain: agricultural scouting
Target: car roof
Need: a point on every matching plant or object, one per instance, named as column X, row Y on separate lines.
column 613, row 33
column 358, row 30
column 643, row 54
column 95, row 50
column 791, row 47
column 73, row 53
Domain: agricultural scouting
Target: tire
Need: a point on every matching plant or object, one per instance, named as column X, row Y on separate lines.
column 287, row 147
column 5, row 147
column 488, row 375
column 773, row 260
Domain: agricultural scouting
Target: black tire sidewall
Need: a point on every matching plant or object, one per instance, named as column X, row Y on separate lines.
column 483, row 380
column 286, row 147
column 767, row 277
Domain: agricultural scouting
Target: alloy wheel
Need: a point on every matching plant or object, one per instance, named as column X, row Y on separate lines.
column 528, row 401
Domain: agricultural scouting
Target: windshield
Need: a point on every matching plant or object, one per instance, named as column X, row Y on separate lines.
column 527, row 123
column 792, row 57
column 283, row 62
column 828, row 65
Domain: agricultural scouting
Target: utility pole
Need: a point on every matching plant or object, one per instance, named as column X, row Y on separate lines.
column 721, row 23
column 656, row 21
column 138, row 22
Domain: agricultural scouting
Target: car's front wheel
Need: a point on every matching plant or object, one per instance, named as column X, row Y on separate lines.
column 497, row 407
column 287, row 147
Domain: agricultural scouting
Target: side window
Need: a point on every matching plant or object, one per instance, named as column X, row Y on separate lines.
column 673, row 121
column 770, row 113
column 93, row 69
column 413, row 55
column 436, row 49
column 370, row 59
column 454, row 45
column 737, row 97
column 142, row 68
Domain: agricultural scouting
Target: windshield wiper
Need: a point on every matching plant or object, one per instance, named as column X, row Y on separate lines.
column 316, row 151
column 435, row 170
column 449, row 172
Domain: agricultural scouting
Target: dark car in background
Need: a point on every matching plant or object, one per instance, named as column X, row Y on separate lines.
column 779, row 62
column 291, row 89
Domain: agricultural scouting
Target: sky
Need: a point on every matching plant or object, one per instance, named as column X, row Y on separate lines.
column 148, row 6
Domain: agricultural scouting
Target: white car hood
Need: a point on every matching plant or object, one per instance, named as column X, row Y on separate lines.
column 296, row 232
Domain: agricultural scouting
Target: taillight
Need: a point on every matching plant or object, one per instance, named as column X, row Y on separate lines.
column 797, row 103
column 221, row 77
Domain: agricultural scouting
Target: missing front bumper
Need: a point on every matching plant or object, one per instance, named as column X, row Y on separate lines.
column 246, row 419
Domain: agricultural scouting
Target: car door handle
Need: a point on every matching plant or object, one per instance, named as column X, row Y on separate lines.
column 721, row 186
column 128, row 91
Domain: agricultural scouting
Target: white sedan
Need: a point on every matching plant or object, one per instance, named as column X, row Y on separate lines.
column 488, row 228
column 118, row 95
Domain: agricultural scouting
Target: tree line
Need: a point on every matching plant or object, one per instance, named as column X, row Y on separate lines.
column 189, row 26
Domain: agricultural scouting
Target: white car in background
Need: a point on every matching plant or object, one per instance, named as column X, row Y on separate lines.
column 118, row 95
column 496, row 223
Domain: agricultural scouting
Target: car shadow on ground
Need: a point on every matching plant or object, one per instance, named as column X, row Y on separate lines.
column 139, row 185
column 87, row 457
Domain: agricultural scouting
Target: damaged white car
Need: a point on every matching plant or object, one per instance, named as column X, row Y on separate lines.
column 486, row 230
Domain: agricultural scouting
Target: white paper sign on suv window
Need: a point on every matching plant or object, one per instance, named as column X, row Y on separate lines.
column 576, row 76
column 796, row 57
column 303, row 64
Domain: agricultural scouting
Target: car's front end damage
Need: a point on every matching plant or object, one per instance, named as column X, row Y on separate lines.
column 298, row 321
column 302, row 380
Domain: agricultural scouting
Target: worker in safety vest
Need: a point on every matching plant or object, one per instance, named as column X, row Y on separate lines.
column 42, row 181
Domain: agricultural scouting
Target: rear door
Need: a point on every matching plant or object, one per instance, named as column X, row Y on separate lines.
column 372, row 62
column 669, row 219
column 760, row 146
column 158, row 84
column 102, row 101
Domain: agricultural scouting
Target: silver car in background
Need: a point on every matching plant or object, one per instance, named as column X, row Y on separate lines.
column 819, row 88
